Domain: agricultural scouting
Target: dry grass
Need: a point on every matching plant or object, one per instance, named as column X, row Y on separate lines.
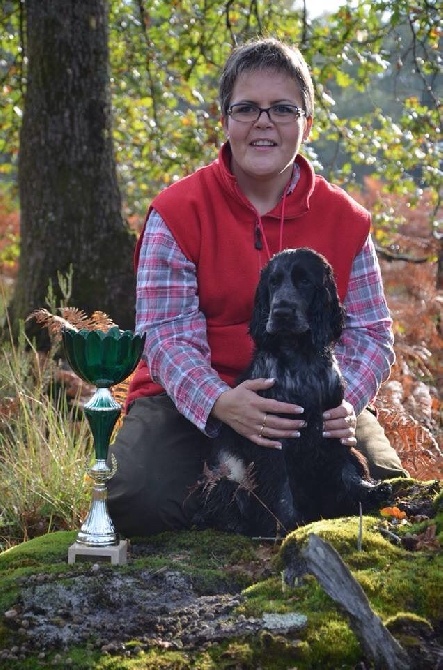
column 44, row 450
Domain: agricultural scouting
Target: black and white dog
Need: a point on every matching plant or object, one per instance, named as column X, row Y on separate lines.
column 260, row 491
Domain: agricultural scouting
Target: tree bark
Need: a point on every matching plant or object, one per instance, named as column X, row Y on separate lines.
column 69, row 197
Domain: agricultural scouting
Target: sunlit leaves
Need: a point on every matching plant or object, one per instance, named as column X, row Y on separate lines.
column 376, row 72
column 10, row 86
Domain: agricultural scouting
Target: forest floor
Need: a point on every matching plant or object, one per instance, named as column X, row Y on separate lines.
column 202, row 599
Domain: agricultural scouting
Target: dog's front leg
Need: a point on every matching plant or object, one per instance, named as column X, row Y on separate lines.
column 271, row 503
column 223, row 506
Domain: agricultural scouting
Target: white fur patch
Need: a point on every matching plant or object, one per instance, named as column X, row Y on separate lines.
column 235, row 467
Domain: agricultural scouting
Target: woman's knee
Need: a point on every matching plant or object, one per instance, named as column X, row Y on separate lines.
column 159, row 459
column 383, row 460
column 147, row 510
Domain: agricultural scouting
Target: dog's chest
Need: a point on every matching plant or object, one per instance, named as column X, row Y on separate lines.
column 315, row 383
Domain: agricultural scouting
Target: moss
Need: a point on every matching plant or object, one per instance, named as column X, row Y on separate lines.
column 81, row 659
column 402, row 619
column 277, row 651
column 332, row 644
column 152, row 660
column 208, row 548
column 47, row 553
column 44, row 550
column 5, row 636
column 397, row 582
column 265, row 650
column 234, row 654
column 391, row 577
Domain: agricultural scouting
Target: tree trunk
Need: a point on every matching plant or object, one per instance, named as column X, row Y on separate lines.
column 440, row 263
column 69, row 198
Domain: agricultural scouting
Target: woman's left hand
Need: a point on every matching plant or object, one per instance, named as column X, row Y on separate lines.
column 340, row 422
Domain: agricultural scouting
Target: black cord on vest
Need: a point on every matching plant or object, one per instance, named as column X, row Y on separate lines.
column 258, row 244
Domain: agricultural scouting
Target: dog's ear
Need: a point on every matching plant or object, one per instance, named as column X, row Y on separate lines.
column 260, row 313
column 328, row 315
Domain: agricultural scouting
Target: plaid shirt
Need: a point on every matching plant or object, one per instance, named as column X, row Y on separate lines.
column 177, row 350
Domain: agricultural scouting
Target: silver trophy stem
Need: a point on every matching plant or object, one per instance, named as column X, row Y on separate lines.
column 97, row 530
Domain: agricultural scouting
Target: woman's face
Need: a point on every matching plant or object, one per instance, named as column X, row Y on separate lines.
column 263, row 150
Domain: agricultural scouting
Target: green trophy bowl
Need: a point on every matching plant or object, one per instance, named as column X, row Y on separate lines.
column 102, row 359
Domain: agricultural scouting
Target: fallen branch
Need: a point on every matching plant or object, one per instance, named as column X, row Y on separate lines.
column 323, row 561
column 390, row 256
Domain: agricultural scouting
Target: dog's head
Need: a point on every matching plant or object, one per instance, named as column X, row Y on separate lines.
column 297, row 297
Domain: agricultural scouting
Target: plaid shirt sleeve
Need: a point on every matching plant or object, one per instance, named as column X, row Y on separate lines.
column 365, row 351
column 167, row 310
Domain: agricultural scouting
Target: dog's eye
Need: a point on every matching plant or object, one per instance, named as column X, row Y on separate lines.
column 303, row 281
column 301, row 278
column 274, row 280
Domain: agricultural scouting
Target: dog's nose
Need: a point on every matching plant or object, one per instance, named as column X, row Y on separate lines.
column 283, row 310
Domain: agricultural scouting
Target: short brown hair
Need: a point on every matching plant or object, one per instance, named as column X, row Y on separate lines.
column 266, row 54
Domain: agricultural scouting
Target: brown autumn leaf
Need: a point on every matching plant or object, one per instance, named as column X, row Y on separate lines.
column 428, row 540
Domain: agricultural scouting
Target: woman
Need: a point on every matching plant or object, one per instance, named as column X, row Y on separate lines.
column 198, row 262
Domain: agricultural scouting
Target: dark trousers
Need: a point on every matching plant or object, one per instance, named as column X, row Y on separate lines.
column 160, row 457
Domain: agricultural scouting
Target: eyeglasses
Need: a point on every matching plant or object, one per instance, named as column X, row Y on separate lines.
column 250, row 113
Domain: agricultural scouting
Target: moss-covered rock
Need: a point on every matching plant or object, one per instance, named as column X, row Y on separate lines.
column 210, row 600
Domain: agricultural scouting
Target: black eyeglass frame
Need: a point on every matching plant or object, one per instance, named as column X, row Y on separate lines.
column 299, row 112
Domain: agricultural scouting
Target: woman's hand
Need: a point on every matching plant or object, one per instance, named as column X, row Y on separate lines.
column 255, row 417
column 340, row 422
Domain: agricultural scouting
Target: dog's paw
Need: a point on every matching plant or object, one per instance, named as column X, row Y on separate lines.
column 378, row 494
column 200, row 521
column 383, row 490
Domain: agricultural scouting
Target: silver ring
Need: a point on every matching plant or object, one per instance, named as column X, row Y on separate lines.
column 263, row 426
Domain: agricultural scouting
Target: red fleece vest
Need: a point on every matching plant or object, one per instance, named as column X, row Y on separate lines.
column 214, row 225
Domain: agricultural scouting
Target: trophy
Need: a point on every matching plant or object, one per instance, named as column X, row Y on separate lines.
column 102, row 358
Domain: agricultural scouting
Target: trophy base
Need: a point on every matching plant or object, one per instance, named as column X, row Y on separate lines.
column 117, row 553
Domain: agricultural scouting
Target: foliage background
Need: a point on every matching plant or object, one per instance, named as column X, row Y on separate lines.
column 376, row 68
